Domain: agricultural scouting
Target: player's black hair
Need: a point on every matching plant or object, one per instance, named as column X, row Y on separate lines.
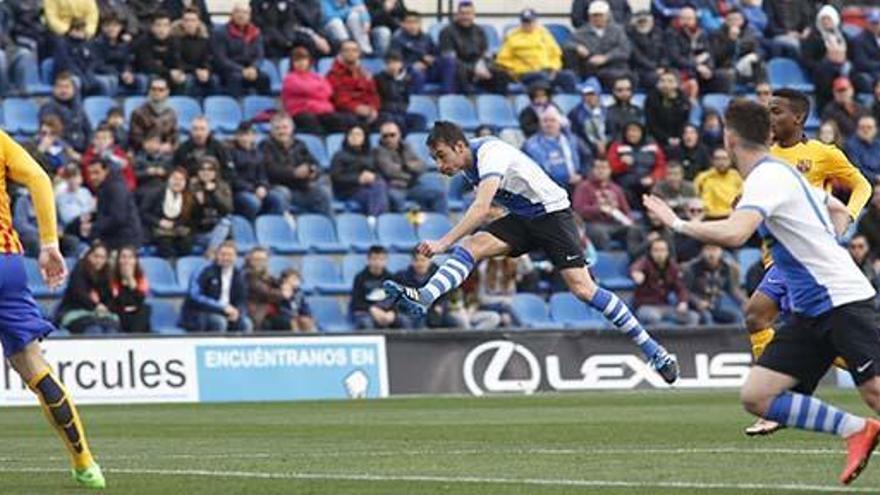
column 750, row 121
column 447, row 133
column 797, row 100
column 376, row 249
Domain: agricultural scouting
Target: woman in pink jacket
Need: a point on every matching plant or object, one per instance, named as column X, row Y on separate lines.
column 306, row 96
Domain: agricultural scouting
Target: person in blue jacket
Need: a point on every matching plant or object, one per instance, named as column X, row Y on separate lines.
column 558, row 151
column 863, row 148
column 350, row 20
column 217, row 297
column 423, row 60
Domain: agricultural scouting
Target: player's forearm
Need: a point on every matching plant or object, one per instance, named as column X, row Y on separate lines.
column 860, row 195
column 471, row 221
column 721, row 232
column 40, row 187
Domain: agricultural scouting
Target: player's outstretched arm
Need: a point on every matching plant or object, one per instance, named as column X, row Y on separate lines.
column 733, row 231
column 473, row 218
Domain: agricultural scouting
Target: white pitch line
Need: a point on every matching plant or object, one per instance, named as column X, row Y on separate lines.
column 582, row 483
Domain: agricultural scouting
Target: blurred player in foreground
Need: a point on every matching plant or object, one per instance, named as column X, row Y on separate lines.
column 21, row 324
column 539, row 217
column 831, row 300
column 821, row 165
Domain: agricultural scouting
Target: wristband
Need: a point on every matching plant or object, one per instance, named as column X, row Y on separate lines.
column 678, row 225
column 49, row 245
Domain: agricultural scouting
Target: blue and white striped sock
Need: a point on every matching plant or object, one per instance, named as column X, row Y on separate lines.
column 452, row 273
column 809, row 413
column 619, row 314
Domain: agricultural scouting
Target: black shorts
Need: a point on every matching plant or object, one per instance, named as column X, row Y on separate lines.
column 805, row 347
column 555, row 233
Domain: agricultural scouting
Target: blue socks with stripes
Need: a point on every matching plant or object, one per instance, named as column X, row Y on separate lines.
column 452, row 273
column 809, row 413
column 622, row 318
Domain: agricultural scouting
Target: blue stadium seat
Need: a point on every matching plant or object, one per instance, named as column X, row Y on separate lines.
column 97, row 107
column 417, row 140
column 186, row 108
column 271, row 70
column 34, row 84
column 435, row 226
column 329, row 316
column 639, row 99
column 531, row 312
column 275, row 233
column 243, row 233
column 851, row 30
column 255, row 104
column 495, row 110
column 334, row 144
column 316, row 147
column 434, row 30
column 612, row 270
column 746, row 257
column 568, row 310
column 161, row 277
column 561, row 33
column 317, row 233
column 354, row 232
column 278, row 264
column 787, row 73
column 458, row 109
column 223, row 113
column 164, row 317
column 373, row 65
column 492, row 37
column 395, row 231
column 47, row 71
column 320, row 274
column 283, row 68
column 21, row 116
column 130, row 104
column 35, row 280
column 520, row 102
column 717, row 101
column 425, row 106
column 458, row 188
column 187, row 266
column 324, row 65
column 565, row 101
column 352, row 264
column 398, row 262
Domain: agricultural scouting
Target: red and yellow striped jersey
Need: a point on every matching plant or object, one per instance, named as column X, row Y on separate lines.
column 18, row 166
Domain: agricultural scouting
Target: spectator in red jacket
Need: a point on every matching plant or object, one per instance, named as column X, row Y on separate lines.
column 354, row 90
column 308, row 97
column 636, row 162
column 104, row 148
column 603, row 206
column 659, row 280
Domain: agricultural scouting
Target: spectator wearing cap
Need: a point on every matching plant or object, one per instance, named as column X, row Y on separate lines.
column 423, row 61
column 156, row 53
column 620, row 12
column 540, row 98
column 648, row 57
column 824, row 53
column 863, row 148
column 588, row 119
column 354, row 89
column 202, row 143
column 667, row 111
column 467, row 41
column 76, row 53
column 285, row 25
column 308, row 98
column 66, row 104
column 155, row 115
column 599, row 48
column 557, row 151
column 350, row 20
column 393, row 85
column 251, row 189
column 844, row 110
column 530, row 52
column 239, row 52
column 865, row 53
column 196, row 59
column 690, row 52
column 622, row 110
column 60, row 15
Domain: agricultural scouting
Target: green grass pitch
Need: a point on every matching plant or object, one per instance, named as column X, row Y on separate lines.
column 663, row 442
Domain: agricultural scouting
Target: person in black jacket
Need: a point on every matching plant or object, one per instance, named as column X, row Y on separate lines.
column 212, row 206
column 692, row 154
column 392, row 84
column 293, row 171
column 252, row 193
column 156, row 53
column 423, row 61
column 736, row 51
column 76, row 53
column 667, row 111
column 128, row 289
column 116, row 221
column 648, row 57
column 193, row 44
column 66, row 105
column 866, row 54
column 283, row 29
column 690, row 52
column 217, row 297
column 540, row 98
column 369, row 307
column 85, row 305
column 622, row 111
column 202, row 143
column 115, row 58
column 166, row 215
column 354, row 176
column 387, row 13
column 467, row 41
column 239, row 51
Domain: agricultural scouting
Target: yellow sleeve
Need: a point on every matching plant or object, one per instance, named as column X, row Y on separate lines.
column 26, row 171
column 553, row 51
column 92, row 16
column 698, row 182
column 52, row 11
column 848, row 176
column 505, row 54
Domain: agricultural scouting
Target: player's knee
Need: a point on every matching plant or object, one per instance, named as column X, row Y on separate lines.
column 870, row 392
column 753, row 400
column 583, row 289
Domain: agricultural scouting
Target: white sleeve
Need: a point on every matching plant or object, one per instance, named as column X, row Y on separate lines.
column 494, row 158
column 767, row 188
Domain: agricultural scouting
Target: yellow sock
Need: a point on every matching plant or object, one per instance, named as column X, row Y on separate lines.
column 760, row 339
column 62, row 415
